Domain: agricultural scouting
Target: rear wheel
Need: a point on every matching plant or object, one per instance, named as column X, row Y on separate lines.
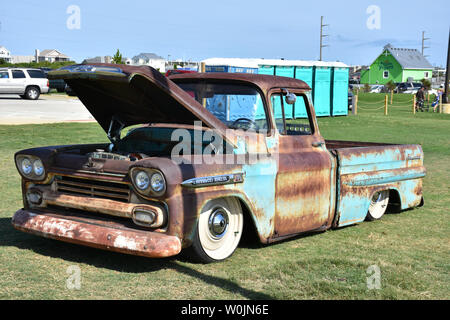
column 32, row 93
column 219, row 230
column 378, row 205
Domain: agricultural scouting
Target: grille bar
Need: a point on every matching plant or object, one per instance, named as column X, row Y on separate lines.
column 96, row 189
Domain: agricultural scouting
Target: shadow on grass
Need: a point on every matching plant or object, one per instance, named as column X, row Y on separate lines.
column 9, row 237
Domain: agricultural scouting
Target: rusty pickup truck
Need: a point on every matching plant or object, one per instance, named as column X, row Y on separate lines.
column 196, row 160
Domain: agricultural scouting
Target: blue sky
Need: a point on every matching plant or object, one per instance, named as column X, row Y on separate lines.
column 199, row 29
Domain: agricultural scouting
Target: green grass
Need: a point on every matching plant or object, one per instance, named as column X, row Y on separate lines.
column 412, row 248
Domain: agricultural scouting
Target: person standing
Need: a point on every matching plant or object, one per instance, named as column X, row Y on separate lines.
column 436, row 100
column 420, row 97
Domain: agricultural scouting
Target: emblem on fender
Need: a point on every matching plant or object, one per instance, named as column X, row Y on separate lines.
column 214, row 180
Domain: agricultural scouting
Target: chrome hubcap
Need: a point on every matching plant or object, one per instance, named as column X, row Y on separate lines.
column 376, row 197
column 218, row 223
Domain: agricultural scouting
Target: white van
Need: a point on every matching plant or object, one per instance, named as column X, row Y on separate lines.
column 26, row 82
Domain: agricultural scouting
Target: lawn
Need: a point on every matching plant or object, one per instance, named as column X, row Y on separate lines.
column 411, row 249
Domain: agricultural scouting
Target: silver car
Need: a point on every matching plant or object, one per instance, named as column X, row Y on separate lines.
column 26, row 82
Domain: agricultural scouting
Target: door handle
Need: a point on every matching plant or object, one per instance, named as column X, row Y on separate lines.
column 318, row 143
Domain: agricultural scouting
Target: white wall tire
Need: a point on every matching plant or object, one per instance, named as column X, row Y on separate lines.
column 219, row 230
column 378, row 205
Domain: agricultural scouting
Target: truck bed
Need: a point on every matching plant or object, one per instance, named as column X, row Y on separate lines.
column 339, row 144
column 364, row 168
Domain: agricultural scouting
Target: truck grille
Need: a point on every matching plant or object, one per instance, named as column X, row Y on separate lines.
column 93, row 188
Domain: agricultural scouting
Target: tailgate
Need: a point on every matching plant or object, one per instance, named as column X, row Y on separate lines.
column 362, row 171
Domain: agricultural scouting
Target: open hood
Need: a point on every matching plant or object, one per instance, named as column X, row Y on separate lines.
column 118, row 96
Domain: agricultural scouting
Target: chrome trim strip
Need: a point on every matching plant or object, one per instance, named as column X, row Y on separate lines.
column 213, row 180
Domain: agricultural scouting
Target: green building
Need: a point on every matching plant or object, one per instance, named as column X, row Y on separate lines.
column 398, row 65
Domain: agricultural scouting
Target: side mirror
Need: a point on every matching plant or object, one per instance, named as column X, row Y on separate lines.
column 290, row 98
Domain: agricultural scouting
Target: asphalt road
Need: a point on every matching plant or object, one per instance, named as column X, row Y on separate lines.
column 47, row 109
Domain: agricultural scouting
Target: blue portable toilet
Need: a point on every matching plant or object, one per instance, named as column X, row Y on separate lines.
column 322, row 90
column 285, row 71
column 339, row 88
column 304, row 73
column 265, row 69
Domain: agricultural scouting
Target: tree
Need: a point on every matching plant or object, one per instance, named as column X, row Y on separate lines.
column 426, row 84
column 391, row 85
column 117, row 57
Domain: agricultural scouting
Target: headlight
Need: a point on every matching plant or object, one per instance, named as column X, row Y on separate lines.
column 142, row 180
column 30, row 167
column 38, row 167
column 157, row 182
column 148, row 182
column 26, row 166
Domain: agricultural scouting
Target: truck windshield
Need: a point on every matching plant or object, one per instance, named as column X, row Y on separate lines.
column 237, row 106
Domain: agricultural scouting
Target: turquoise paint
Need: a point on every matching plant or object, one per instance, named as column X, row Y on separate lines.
column 305, row 74
column 383, row 177
column 285, row 71
column 270, row 70
column 259, row 187
column 340, row 92
column 322, row 91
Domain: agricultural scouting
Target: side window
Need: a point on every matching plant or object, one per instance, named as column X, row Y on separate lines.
column 36, row 74
column 296, row 120
column 18, row 74
column 4, row 75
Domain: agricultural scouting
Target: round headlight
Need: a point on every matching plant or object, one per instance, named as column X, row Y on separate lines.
column 26, row 165
column 38, row 167
column 142, row 180
column 157, row 182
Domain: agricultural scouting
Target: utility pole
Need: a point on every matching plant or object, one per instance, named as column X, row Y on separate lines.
column 322, row 36
column 447, row 77
column 423, row 43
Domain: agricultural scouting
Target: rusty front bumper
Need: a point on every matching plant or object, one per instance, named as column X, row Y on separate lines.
column 124, row 240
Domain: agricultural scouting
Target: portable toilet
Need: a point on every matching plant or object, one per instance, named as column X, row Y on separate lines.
column 322, row 90
column 339, row 89
column 304, row 73
column 285, row 71
column 266, row 69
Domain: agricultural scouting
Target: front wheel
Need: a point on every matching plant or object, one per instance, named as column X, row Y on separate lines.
column 378, row 205
column 218, row 231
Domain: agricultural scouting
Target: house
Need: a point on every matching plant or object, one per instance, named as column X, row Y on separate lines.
column 98, row 59
column 50, row 55
column 22, row 59
column 397, row 65
column 5, row 54
column 150, row 59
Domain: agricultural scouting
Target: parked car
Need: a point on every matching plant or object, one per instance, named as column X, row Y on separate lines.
column 377, row 88
column 58, row 84
column 408, row 87
column 175, row 184
column 178, row 71
column 28, row 83
column 350, row 100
